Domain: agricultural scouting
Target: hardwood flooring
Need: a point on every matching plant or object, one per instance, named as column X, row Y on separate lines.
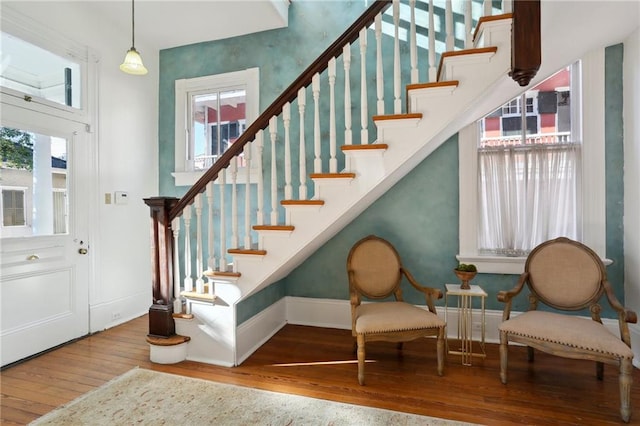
column 320, row 363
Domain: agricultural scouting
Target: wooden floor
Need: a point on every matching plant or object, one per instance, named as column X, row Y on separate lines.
column 319, row 363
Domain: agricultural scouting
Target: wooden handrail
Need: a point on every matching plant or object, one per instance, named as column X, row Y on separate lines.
column 320, row 64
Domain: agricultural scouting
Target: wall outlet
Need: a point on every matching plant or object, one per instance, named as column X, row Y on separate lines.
column 116, row 316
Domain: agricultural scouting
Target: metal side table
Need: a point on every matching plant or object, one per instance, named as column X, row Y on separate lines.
column 465, row 320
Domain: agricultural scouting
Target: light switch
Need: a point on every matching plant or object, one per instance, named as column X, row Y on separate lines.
column 121, row 197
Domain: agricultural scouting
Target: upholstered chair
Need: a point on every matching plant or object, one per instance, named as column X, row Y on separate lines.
column 568, row 276
column 375, row 272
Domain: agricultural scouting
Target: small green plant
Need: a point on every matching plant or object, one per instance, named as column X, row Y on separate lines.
column 466, row 267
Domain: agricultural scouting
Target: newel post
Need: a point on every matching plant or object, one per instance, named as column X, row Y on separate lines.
column 526, row 44
column 161, row 322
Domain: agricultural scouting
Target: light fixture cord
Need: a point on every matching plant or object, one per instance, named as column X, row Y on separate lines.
column 133, row 25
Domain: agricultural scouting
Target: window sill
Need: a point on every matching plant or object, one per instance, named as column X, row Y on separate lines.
column 502, row 265
column 190, row 178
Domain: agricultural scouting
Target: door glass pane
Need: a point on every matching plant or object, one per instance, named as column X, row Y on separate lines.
column 38, row 72
column 34, row 184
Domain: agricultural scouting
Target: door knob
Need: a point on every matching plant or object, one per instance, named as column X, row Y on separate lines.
column 82, row 251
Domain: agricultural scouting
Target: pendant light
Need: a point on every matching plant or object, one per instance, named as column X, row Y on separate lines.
column 133, row 62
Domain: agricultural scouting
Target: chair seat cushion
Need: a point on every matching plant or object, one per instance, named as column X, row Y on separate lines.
column 386, row 317
column 581, row 333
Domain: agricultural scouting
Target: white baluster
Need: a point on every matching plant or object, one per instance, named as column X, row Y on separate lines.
column 247, row 196
column 177, row 301
column 333, row 161
column 488, row 9
column 317, row 152
column 432, row 44
column 188, row 280
column 286, row 119
column 273, row 131
column 414, row 43
column 212, row 262
column 397, row 102
column 346, row 57
column 364, row 111
column 197, row 203
column 302, row 158
column 234, row 201
column 448, row 26
column 379, row 70
column 222, row 179
column 468, row 24
column 260, row 185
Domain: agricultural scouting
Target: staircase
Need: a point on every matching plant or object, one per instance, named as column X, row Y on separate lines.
column 345, row 179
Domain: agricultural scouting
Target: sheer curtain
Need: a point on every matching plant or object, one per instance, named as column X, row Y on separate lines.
column 528, row 194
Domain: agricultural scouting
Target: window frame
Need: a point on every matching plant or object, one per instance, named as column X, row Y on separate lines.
column 184, row 89
column 22, row 189
column 588, row 119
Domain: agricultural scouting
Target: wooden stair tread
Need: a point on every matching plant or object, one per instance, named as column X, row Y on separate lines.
column 368, row 147
column 273, row 227
column 302, row 202
column 226, row 274
column 174, row 340
column 448, row 83
column 183, row 316
column 408, row 116
column 332, row 175
column 465, row 52
column 254, row 252
column 206, row 297
column 485, row 19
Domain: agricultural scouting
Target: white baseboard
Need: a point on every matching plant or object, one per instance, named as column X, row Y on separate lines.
column 115, row 312
column 257, row 330
column 634, row 330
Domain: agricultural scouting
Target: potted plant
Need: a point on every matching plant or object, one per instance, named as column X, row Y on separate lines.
column 465, row 273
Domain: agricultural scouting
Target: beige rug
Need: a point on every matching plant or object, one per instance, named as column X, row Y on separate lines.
column 145, row 397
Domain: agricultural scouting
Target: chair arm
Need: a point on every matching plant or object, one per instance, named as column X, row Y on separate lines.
column 507, row 296
column 626, row 315
column 429, row 292
column 354, row 295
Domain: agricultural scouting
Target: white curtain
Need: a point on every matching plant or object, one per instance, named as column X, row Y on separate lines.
column 527, row 195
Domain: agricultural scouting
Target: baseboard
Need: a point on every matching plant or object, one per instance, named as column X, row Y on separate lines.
column 634, row 330
column 328, row 313
column 115, row 312
column 258, row 329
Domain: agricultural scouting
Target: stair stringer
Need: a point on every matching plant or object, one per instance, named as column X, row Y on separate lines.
column 482, row 87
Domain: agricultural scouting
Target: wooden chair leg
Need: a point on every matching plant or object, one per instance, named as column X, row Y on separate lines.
column 440, row 351
column 504, row 341
column 530, row 355
column 361, row 358
column 625, row 389
column 599, row 370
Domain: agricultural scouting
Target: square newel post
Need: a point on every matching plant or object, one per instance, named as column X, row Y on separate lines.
column 161, row 322
column 526, row 42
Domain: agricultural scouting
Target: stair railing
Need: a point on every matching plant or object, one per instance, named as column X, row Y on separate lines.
column 167, row 278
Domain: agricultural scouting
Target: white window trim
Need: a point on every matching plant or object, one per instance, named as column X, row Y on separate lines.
column 183, row 88
column 592, row 191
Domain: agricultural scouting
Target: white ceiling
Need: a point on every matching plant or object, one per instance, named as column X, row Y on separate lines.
column 169, row 23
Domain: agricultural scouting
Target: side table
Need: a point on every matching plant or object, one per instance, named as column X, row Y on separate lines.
column 465, row 320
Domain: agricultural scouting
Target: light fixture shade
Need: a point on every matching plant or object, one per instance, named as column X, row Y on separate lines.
column 133, row 63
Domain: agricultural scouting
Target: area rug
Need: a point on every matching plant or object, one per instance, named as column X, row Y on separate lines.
column 145, row 397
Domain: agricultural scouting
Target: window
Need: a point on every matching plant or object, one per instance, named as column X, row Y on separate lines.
column 527, row 177
column 538, row 183
column 211, row 113
column 13, row 207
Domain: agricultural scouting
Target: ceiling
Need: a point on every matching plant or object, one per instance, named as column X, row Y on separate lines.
column 169, row 23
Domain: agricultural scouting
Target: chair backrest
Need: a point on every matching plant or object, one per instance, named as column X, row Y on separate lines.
column 565, row 274
column 374, row 267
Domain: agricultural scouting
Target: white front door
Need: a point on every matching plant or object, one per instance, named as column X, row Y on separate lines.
column 45, row 253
